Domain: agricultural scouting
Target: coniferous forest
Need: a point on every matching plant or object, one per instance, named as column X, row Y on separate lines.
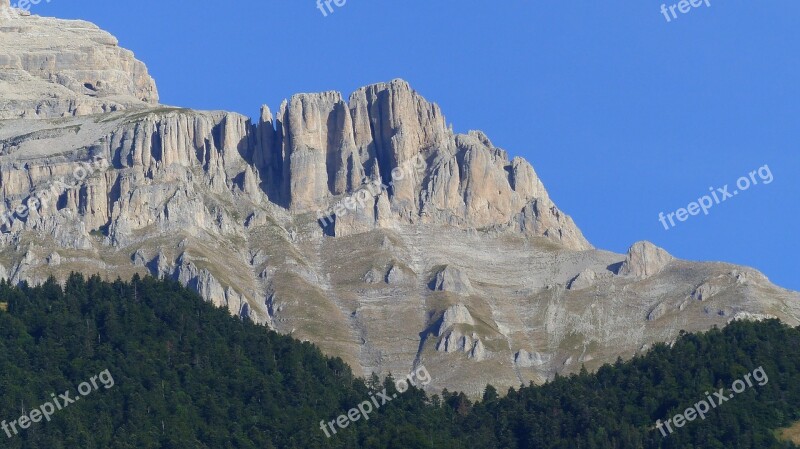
column 188, row 375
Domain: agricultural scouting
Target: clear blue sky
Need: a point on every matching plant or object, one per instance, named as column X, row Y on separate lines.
column 623, row 114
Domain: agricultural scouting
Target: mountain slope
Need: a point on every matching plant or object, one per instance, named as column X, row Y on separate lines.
column 366, row 226
column 177, row 372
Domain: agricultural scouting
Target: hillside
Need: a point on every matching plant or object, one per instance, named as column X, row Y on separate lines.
column 362, row 223
column 186, row 374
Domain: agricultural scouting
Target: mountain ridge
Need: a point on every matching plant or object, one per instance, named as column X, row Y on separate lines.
column 465, row 265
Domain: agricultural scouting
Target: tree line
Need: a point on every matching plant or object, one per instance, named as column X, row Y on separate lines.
column 189, row 375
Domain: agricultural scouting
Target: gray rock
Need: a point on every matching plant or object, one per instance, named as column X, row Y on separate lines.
column 57, row 68
column 526, row 359
column 139, row 259
column 236, row 203
column 397, row 276
column 451, row 279
column 54, row 259
column 644, row 260
column 478, row 351
column 705, row 291
column 584, row 279
column 658, row 311
column 373, row 276
column 457, row 314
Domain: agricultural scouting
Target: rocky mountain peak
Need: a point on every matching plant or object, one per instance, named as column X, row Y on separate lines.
column 321, row 149
column 56, row 68
column 318, row 150
column 470, row 266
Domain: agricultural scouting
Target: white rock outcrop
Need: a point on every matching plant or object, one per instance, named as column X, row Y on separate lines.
column 658, row 311
column 644, row 260
column 373, row 276
column 452, row 279
column 749, row 316
column 527, row 359
column 456, row 314
column 56, row 68
column 456, row 342
column 584, row 279
column 706, row 290
column 234, row 209
column 397, row 276
column 324, row 148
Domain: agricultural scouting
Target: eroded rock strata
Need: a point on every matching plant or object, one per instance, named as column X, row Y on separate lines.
column 456, row 257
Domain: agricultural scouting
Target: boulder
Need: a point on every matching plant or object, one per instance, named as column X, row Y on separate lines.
column 644, row 260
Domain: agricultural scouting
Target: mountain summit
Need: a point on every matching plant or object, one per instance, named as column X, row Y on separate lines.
column 365, row 225
column 54, row 68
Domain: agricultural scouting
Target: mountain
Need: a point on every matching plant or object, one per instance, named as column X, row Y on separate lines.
column 55, row 68
column 365, row 225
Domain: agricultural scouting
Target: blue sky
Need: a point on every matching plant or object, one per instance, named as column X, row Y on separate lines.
column 623, row 114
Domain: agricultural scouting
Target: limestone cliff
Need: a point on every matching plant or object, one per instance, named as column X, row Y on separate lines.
column 59, row 68
column 364, row 225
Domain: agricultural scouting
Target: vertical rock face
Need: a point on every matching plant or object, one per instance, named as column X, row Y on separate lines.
column 112, row 185
column 331, row 148
column 364, row 225
column 56, row 68
column 317, row 141
column 324, row 149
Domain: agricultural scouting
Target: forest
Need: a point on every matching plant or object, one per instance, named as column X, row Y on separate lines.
column 188, row 375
